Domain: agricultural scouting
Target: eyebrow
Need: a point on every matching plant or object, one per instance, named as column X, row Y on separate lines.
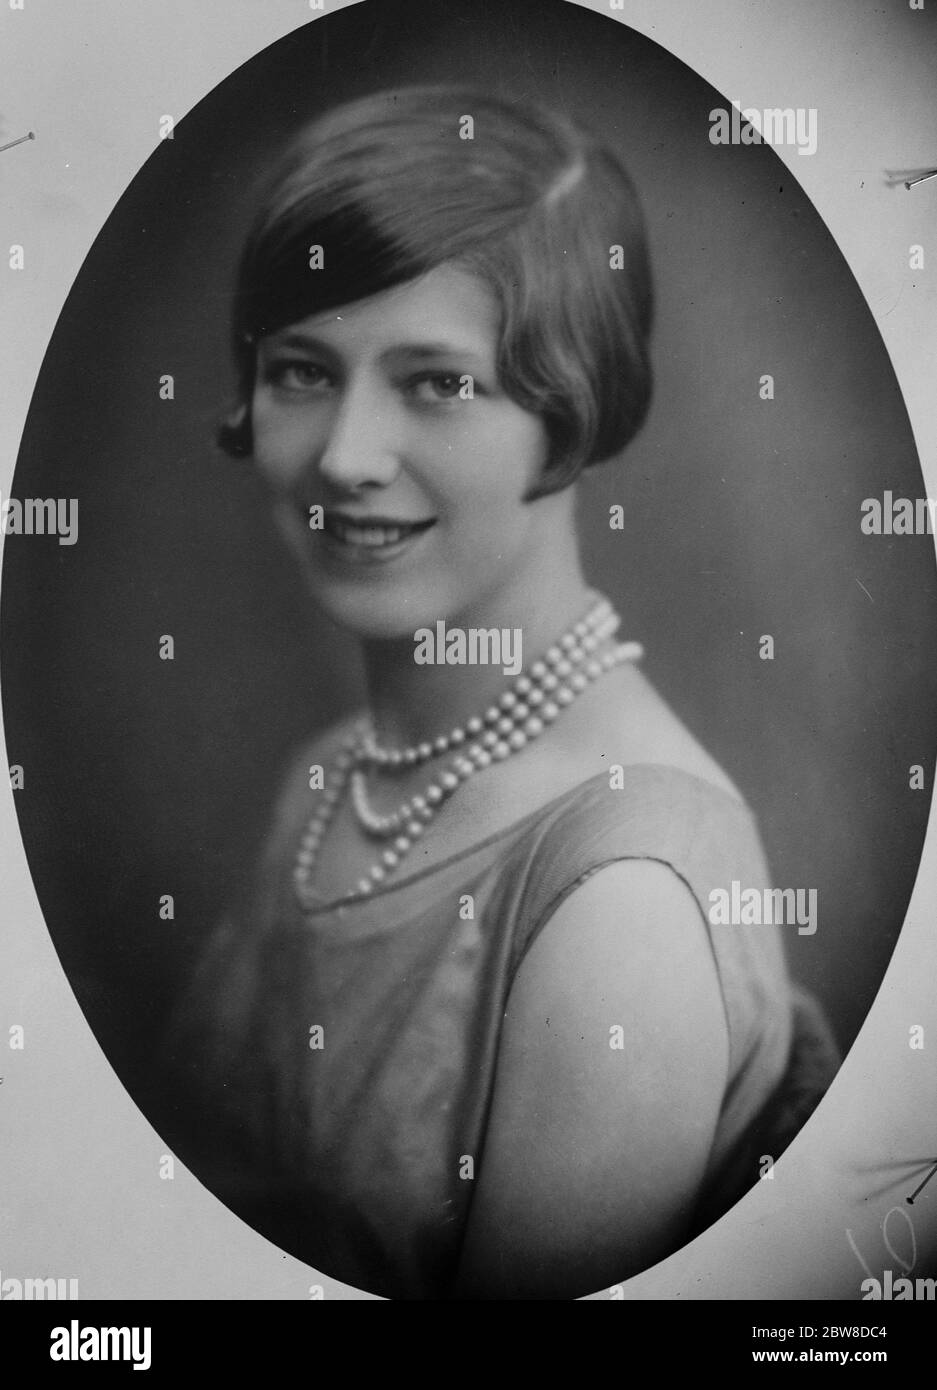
column 421, row 351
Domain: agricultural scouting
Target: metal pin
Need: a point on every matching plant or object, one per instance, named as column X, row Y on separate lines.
column 30, row 136
column 909, row 183
column 921, row 1186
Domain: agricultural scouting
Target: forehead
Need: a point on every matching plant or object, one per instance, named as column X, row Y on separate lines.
column 447, row 307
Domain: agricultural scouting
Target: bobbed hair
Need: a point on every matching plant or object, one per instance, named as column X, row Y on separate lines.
column 394, row 184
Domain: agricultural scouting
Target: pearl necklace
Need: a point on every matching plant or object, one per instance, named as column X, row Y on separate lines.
column 521, row 714
column 568, row 647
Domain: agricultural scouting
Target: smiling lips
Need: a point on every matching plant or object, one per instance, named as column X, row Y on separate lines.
column 372, row 532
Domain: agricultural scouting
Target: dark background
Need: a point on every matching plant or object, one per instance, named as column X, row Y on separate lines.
column 146, row 777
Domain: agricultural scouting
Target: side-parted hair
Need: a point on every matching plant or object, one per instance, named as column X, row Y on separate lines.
column 541, row 210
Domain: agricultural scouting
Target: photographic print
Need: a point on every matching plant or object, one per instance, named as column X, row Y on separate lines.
column 467, row 643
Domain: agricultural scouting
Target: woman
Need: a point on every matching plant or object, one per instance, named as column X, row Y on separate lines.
column 472, row 1033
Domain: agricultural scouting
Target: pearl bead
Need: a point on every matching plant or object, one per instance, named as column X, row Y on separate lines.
column 579, row 655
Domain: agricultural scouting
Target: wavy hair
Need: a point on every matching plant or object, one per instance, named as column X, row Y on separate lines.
column 539, row 208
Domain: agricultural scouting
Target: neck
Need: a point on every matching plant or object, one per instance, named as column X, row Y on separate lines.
column 411, row 702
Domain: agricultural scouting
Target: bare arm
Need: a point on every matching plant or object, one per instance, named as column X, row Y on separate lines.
column 594, row 1152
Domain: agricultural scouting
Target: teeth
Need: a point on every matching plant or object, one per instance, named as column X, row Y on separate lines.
column 373, row 536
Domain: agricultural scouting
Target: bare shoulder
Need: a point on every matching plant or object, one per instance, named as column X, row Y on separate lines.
column 628, row 949
column 611, row 1073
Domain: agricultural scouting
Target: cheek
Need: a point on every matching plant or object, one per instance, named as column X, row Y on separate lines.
column 504, row 458
column 266, row 437
column 283, row 445
column 489, row 524
column 508, row 468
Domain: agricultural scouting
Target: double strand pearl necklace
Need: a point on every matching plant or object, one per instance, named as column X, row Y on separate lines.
column 521, row 714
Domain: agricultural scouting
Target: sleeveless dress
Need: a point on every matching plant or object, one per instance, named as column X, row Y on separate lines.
column 341, row 1062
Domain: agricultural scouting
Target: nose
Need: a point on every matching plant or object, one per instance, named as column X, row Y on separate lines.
column 359, row 449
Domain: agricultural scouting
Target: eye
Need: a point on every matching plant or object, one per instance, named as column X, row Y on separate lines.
column 296, row 374
column 430, row 388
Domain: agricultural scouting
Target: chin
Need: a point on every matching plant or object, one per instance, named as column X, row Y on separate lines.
column 388, row 613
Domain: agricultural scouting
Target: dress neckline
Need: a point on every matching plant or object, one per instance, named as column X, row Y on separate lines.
column 345, row 905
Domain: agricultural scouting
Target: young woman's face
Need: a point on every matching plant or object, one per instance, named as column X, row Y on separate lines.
column 389, row 415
